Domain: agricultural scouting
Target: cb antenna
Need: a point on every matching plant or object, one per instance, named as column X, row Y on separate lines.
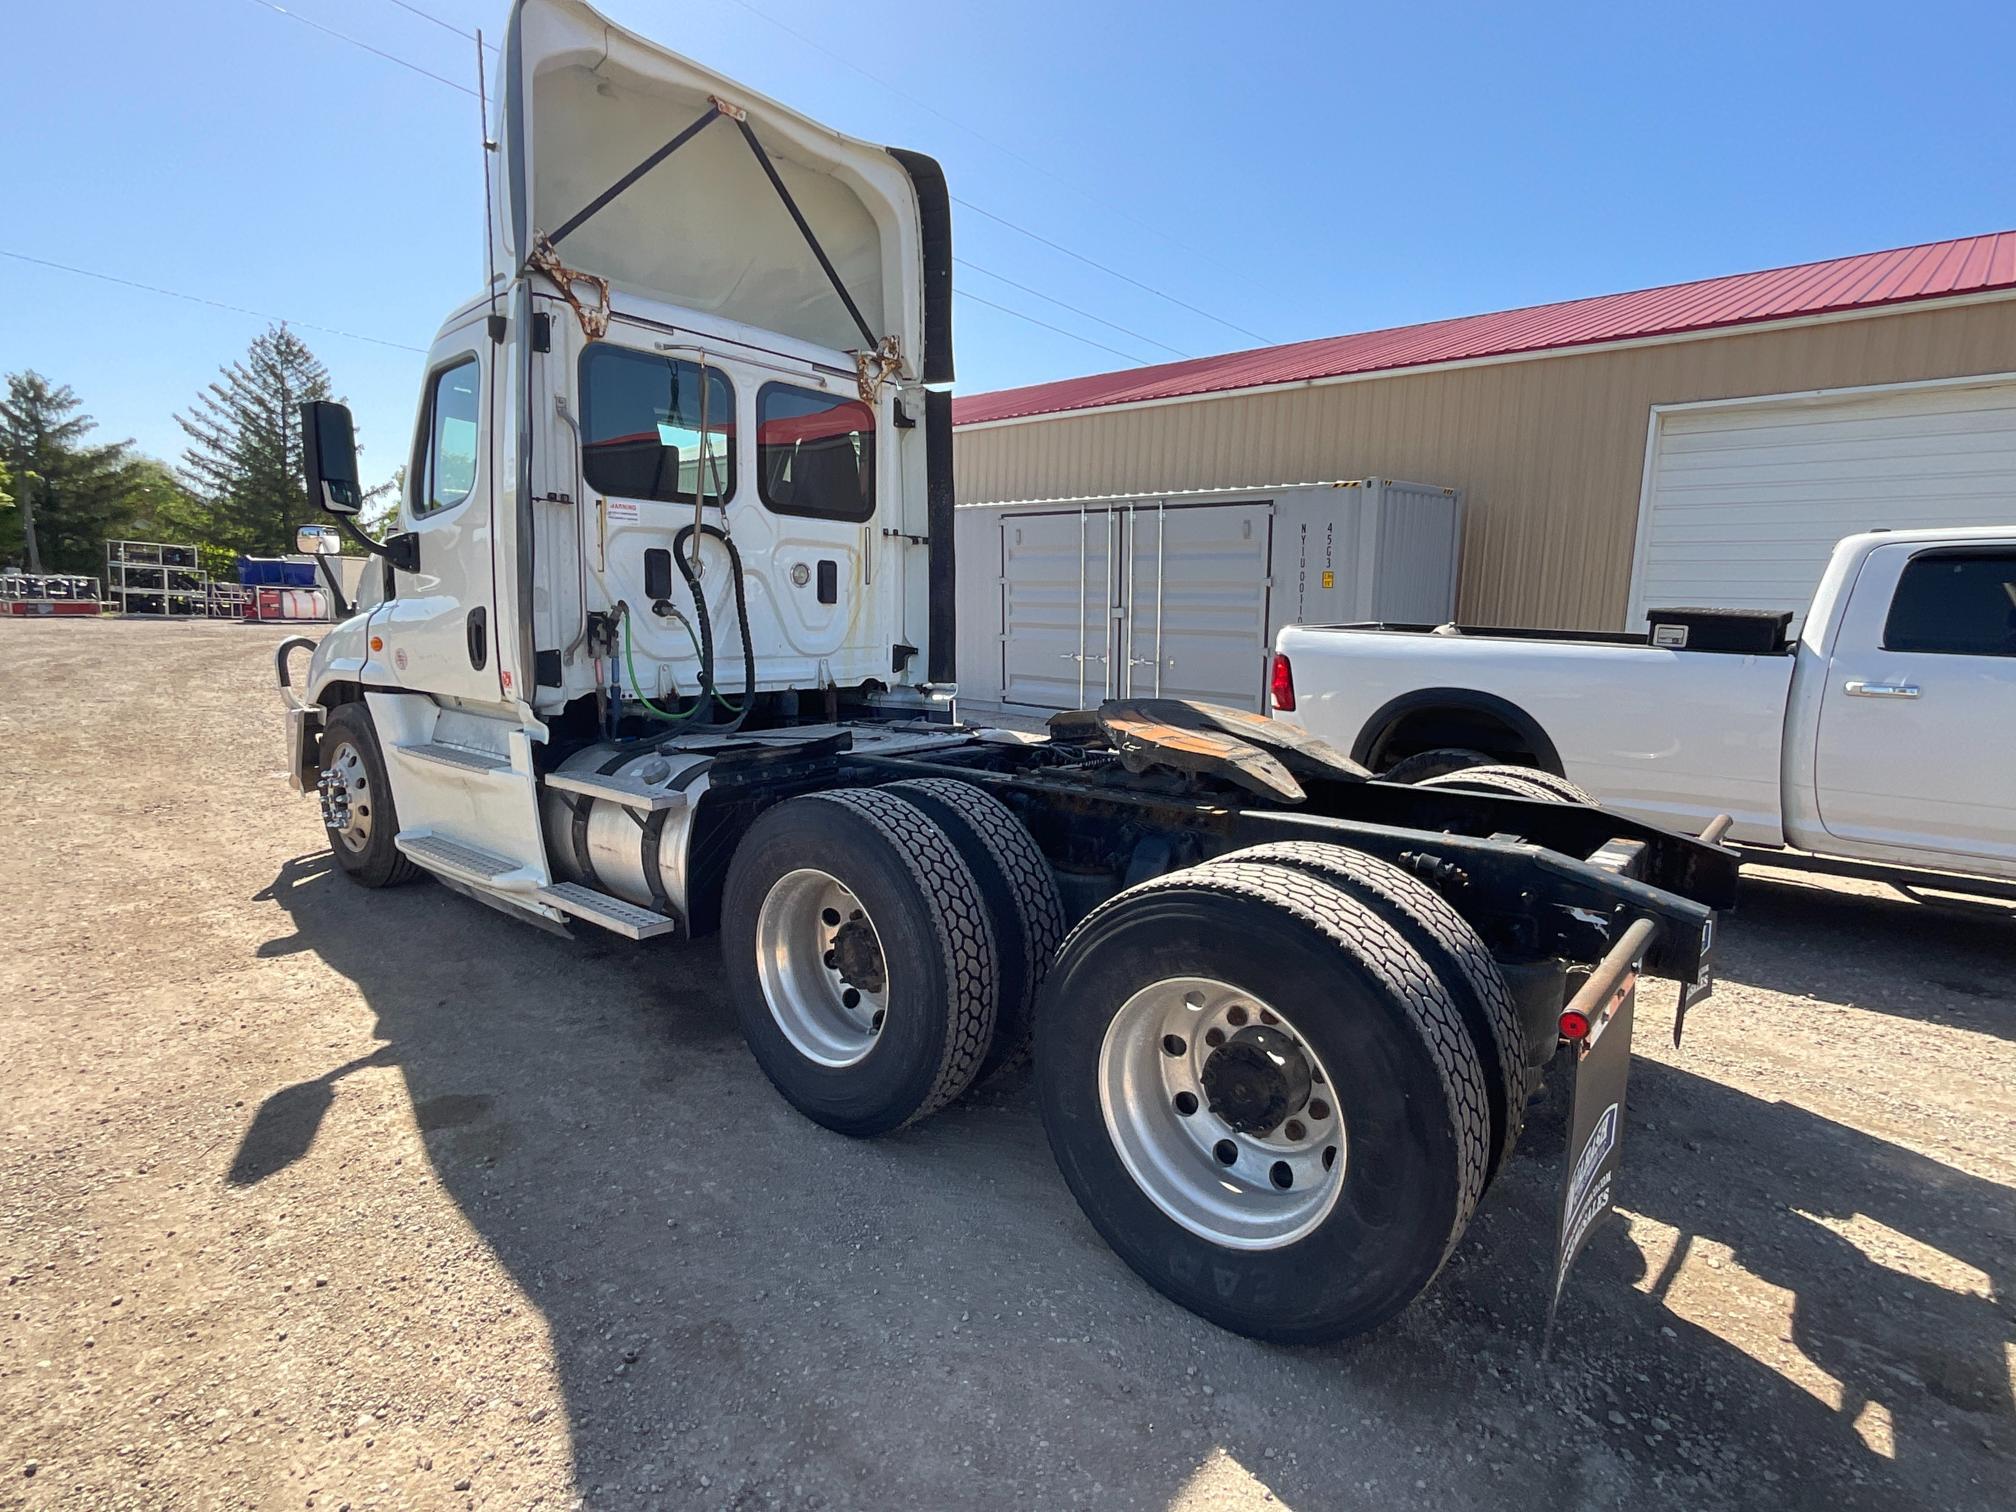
column 496, row 321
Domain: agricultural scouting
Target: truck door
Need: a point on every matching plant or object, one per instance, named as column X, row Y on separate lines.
column 439, row 626
column 1913, row 743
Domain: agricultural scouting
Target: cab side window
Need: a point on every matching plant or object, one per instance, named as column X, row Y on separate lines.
column 1955, row 603
column 815, row 453
column 444, row 467
column 641, row 427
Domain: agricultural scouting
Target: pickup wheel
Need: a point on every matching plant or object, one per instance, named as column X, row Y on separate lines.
column 1453, row 950
column 1020, row 894
column 860, row 958
column 1559, row 787
column 1437, row 763
column 357, row 808
column 1511, row 782
column 1263, row 1098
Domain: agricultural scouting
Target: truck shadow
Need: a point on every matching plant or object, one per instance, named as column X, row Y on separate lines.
column 731, row 1292
column 1943, row 961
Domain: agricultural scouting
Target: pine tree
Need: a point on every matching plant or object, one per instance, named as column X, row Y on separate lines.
column 243, row 466
column 70, row 494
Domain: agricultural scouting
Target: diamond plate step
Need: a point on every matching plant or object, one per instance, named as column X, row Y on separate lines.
column 456, row 756
column 626, row 791
column 611, row 913
column 465, row 863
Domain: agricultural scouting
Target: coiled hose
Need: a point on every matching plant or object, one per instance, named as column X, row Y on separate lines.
column 708, row 691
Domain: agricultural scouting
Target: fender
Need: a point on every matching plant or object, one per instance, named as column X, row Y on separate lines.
column 1463, row 700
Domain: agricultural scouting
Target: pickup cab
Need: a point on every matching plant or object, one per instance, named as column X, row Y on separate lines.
column 1881, row 733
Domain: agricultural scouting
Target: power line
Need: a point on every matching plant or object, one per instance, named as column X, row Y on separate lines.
column 444, row 25
column 980, row 136
column 281, row 10
column 1019, row 315
column 1051, row 298
column 215, row 304
column 1046, row 241
column 1110, row 272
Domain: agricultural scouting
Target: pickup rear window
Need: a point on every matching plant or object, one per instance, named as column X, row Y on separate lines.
column 1955, row 603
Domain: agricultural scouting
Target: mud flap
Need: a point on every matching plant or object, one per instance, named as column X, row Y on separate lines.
column 1600, row 1065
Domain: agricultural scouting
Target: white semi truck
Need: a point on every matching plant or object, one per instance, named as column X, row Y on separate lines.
column 663, row 645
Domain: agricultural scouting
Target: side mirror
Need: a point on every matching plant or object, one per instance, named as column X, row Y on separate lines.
column 329, row 454
column 318, row 540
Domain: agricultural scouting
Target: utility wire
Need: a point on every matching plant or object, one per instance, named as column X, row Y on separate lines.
column 215, row 304
column 281, row 10
column 1000, row 147
column 1110, row 272
column 1058, row 246
column 444, row 25
column 1052, row 299
column 1019, row 315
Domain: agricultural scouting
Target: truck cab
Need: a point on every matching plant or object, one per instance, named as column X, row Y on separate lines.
column 760, row 374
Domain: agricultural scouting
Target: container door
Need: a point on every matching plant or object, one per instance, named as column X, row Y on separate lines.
column 1058, row 628
column 1194, row 589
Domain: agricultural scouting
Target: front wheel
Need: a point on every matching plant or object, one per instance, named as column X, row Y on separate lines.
column 357, row 808
column 1263, row 1098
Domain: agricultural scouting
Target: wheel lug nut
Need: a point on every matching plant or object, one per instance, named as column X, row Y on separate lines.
column 1294, row 1130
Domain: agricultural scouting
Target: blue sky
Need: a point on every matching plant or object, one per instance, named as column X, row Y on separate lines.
column 1294, row 170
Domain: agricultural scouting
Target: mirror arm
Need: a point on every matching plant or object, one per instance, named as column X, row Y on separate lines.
column 343, row 607
column 402, row 550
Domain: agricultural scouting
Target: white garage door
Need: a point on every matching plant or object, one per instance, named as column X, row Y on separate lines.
column 1745, row 502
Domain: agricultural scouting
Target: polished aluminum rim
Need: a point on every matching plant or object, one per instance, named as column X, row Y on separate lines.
column 1221, row 1113
column 822, row 967
column 346, row 797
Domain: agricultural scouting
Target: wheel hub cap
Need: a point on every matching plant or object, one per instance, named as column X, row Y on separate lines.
column 857, row 956
column 1256, row 1080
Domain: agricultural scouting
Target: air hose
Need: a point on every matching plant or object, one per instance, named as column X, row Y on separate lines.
column 708, row 690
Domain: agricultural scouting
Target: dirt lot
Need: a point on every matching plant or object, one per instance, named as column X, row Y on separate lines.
column 311, row 1197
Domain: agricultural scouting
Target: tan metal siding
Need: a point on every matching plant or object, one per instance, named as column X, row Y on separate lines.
column 1550, row 453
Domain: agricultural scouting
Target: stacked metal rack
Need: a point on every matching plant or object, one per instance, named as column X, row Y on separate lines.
column 150, row 577
column 50, row 593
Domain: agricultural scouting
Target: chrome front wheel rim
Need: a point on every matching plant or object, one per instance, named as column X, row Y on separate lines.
column 821, row 965
column 1222, row 1113
column 345, row 786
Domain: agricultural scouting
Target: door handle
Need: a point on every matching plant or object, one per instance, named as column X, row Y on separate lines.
column 1857, row 688
column 477, row 626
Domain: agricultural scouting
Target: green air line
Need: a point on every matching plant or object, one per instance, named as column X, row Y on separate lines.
column 651, row 708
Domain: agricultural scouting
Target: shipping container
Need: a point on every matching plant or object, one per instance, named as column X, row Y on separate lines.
column 1066, row 602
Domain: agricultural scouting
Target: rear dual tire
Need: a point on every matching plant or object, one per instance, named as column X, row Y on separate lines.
column 884, row 946
column 1362, row 1013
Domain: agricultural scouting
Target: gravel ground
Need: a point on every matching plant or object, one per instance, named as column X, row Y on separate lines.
column 311, row 1197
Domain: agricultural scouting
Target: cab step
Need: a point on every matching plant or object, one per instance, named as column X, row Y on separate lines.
column 625, row 791
column 613, row 914
column 465, row 863
column 465, row 757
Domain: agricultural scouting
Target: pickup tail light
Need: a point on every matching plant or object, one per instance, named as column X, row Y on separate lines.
column 1283, row 684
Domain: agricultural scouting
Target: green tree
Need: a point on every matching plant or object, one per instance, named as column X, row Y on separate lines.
column 71, row 494
column 243, row 465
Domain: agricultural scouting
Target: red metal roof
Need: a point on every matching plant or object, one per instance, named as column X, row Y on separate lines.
column 1934, row 269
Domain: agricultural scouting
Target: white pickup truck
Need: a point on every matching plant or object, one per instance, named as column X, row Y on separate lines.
column 1886, row 731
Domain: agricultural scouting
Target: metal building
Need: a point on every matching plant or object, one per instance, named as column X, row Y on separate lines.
column 1700, row 442
column 1065, row 602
